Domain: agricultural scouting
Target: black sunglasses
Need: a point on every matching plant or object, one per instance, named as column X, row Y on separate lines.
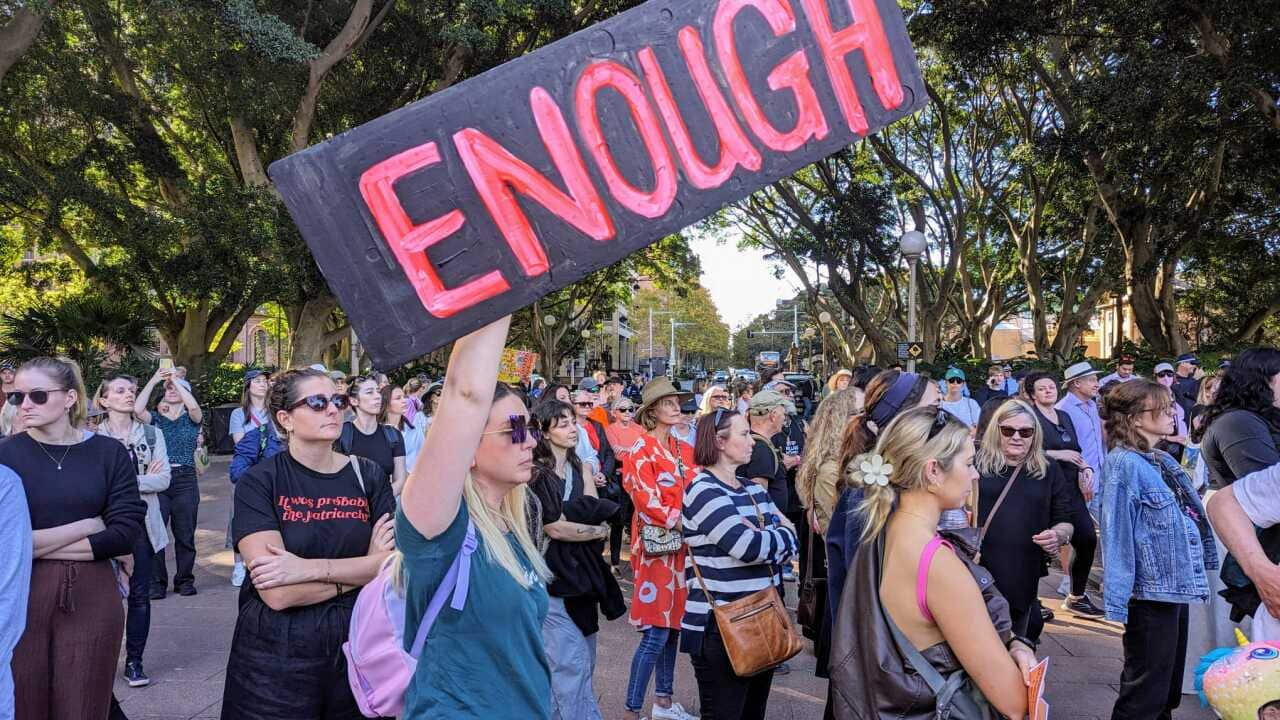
column 955, row 381
column 39, row 397
column 519, row 430
column 1024, row 433
column 586, row 404
column 320, row 402
column 1164, row 374
column 627, row 410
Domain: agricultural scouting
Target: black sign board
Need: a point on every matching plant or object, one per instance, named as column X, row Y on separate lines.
column 910, row 350
column 442, row 216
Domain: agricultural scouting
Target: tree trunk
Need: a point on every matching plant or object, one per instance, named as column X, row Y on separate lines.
column 17, row 35
column 309, row 330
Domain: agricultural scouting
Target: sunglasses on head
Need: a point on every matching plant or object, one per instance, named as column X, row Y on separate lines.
column 1024, row 433
column 520, row 430
column 320, row 402
column 39, row 397
column 939, row 422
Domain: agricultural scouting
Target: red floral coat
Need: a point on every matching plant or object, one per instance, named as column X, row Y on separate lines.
column 655, row 478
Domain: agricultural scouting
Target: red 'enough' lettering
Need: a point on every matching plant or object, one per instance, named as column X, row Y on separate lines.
column 865, row 33
column 792, row 74
column 409, row 242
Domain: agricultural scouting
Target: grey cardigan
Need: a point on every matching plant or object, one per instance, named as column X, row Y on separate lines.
column 149, row 485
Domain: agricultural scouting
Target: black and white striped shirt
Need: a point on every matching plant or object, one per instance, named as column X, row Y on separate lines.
column 735, row 555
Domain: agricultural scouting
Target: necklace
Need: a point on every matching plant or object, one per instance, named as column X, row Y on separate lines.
column 50, row 456
column 908, row 512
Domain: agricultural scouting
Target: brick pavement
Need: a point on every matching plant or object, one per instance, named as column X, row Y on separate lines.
column 187, row 651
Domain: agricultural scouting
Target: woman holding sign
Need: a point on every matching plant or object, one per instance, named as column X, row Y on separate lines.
column 486, row 660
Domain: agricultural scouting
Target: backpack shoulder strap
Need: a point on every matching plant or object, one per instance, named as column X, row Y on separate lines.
column 389, row 433
column 355, row 465
column 455, row 585
column 346, row 438
column 149, row 432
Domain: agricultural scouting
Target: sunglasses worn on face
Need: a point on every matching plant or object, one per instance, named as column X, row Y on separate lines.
column 1165, row 375
column 627, row 410
column 1024, row 433
column 519, row 430
column 320, row 402
column 955, row 381
column 39, row 397
column 587, row 404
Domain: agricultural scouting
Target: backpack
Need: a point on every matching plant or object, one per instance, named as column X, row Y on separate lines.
column 378, row 668
column 348, row 436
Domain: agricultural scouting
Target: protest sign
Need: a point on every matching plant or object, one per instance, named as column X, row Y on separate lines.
column 516, row 366
column 442, row 216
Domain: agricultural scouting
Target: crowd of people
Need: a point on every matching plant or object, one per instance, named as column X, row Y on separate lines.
column 914, row 516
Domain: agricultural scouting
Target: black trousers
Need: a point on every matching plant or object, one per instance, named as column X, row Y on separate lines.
column 616, row 524
column 723, row 695
column 1028, row 622
column 137, row 624
column 178, row 507
column 1084, row 541
column 1155, row 649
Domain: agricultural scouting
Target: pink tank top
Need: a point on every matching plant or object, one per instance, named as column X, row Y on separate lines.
column 922, row 574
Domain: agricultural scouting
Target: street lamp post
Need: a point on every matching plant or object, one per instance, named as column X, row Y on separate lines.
column 824, row 318
column 651, row 314
column 671, row 362
column 912, row 244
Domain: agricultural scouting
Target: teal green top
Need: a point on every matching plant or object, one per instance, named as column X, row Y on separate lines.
column 487, row 661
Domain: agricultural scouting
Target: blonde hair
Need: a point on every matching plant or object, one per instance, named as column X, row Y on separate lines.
column 705, row 408
column 990, row 460
column 496, row 546
column 906, row 444
column 822, row 449
column 66, row 373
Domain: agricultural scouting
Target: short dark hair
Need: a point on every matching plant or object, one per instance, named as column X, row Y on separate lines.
column 705, row 451
column 613, row 380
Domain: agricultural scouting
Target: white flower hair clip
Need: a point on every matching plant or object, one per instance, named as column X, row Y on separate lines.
column 870, row 469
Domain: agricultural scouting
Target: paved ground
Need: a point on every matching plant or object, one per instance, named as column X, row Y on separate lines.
column 190, row 637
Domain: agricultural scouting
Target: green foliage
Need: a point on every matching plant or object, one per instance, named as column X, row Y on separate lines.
column 268, row 34
column 99, row 333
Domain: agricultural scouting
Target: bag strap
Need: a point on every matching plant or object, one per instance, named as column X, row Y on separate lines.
column 982, row 534
column 456, row 583
column 710, row 599
column 769, row 443
column 262, row 442
column 355, row 465
column 346, row 438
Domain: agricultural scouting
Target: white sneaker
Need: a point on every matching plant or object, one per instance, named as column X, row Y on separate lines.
column 237, row 574
column 675, row 712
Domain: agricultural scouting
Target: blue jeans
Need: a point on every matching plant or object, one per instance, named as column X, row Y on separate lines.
column 573, row 660
column 658, row 647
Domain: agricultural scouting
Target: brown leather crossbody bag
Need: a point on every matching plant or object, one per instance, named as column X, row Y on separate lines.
column 756, row 629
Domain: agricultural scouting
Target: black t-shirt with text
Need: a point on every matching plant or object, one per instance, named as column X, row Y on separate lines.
column 319, row 515
column 383, row 446
column 766, row 463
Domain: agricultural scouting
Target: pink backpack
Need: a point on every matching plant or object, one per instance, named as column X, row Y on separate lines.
column 378, row 668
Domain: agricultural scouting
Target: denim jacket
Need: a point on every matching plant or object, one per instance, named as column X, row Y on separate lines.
column 1153, row 550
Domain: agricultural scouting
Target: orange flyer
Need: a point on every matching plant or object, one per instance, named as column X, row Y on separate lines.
column 1037, row 708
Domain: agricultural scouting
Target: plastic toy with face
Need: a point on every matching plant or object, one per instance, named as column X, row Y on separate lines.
column 1241, row 682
